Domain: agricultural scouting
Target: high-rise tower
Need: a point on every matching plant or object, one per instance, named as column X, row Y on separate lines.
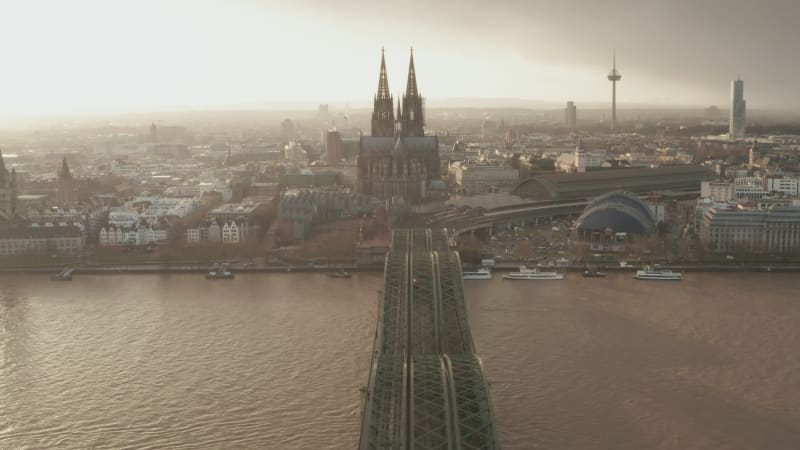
column 383, row 108
column 412, row 122
column 571, row 116
column 737, row 114
column 613, row 77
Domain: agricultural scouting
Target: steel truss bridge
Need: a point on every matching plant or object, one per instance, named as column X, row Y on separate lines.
column 426, row 385
column 464, row 221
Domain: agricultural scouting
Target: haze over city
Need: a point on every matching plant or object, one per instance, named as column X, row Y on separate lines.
column 350, row 224
column 94, row 56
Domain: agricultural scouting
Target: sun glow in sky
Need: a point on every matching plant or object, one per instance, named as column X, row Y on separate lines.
column 97, row 56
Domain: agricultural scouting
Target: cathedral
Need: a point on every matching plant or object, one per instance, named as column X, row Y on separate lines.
column 8, row 192
column 67, row 194
column 398, row 162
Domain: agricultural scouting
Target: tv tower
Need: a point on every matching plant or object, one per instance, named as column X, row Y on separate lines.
column 613, row 77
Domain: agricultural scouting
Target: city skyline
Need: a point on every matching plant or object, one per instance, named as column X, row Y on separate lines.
column 419, row 225
column 90, row 57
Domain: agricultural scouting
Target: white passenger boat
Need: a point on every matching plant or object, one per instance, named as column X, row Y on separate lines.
column 480, row 274
column 533, row 274
column 657, row 274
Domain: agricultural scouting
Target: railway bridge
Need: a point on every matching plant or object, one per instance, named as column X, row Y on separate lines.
column 465, row 221
column 426, row 387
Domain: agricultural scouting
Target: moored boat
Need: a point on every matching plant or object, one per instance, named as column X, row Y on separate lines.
column 340, row 274
column 480, row 274
column 593, row 273
column 533, row 274
column 657, row 274
column 220, row 272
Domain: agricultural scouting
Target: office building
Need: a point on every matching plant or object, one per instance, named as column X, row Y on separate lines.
column 481, row 178
column 333, row 147
column 789, row 187
column 775, row 230
column 737, row 113
column 571, row 116
column 721, row 191
column 32, row 239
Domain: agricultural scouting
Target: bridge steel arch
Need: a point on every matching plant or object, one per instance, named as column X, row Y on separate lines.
column 426, row 388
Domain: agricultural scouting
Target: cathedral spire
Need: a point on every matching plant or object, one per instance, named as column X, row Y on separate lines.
column 383, row 80
column 64, row 172
column 412, row 121
column 411, row 84
column 383, row 107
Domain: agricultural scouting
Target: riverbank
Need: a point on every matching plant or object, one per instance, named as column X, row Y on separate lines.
column 695, row 267
column 192, row 268
column 323, row 268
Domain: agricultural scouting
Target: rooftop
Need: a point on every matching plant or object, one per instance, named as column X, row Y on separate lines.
column 24, row 231
column 562, row 187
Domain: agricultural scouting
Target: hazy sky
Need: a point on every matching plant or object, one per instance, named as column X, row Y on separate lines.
column 59, row 56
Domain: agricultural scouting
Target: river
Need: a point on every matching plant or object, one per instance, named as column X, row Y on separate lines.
column 276, row 361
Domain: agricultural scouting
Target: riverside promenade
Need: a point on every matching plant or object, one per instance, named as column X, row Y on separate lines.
column 192, row 268
column 238, row 267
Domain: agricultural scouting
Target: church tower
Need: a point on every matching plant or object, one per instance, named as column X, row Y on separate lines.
column 8, row 192
column 383, row 107
column 66, row 185
column 752, row 156
column 580, row 158
column 412, row 123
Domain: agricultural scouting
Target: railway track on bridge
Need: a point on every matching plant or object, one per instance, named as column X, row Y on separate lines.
column 426, row 388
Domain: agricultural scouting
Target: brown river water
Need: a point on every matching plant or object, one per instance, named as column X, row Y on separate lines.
column 277, row 361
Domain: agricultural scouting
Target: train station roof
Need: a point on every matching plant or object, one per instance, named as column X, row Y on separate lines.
column 569, row 187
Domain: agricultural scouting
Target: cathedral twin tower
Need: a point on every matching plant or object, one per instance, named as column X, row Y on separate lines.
column 410, row 119
column 398, row 162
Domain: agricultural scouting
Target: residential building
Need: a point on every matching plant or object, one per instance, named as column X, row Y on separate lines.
column 123, row 217
column 193, row 235
column 234, row 232
column 139, row 235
